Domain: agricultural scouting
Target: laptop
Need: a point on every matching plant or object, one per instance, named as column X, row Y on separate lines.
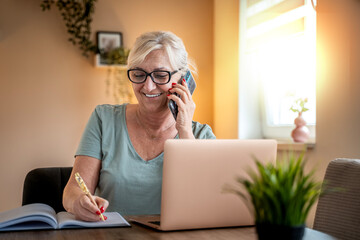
column 195, row 173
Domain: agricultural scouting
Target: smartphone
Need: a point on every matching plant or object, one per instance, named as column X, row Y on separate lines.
column 191, row 85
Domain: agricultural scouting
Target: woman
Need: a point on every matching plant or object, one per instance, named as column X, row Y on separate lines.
column 121, row 151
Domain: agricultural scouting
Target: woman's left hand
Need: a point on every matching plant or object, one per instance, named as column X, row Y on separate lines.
column 186, row 107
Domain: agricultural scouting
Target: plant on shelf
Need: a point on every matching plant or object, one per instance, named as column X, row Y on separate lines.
column 116, row 56
column 78, row 17
column 281, row 197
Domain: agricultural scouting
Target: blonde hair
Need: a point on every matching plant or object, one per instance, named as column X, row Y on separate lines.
column 167, row 41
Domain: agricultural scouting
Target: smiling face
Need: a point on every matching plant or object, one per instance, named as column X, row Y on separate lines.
column 151, row 96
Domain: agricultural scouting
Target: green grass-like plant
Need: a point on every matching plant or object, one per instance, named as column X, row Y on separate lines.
column 281, row 194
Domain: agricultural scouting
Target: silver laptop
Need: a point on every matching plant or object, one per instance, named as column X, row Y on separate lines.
column 194, row 175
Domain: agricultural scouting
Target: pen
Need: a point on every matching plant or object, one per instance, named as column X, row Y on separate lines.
column 83, row 187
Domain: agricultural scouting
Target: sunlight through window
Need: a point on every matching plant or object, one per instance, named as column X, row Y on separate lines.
column 277, row 52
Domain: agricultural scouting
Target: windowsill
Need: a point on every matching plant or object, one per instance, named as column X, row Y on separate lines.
column 293, row 146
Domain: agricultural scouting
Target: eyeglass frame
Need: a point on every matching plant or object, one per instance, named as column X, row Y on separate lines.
column 149, row 74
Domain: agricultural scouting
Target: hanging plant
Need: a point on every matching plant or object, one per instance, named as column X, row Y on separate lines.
column 118, row 85
column 77, row 15
column 116, row 75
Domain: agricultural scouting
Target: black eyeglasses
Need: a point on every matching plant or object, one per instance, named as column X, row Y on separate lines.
column 158, row 77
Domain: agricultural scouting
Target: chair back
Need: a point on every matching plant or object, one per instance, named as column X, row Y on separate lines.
column 46, row 185
column 338, row 211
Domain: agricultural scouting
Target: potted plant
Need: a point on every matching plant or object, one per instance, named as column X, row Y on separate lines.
column 300, row 133
column 281, row 197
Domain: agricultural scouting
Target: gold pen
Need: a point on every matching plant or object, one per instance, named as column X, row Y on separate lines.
column 83, row 187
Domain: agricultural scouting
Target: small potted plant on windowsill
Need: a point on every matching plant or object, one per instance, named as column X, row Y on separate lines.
column 300, row 133
column 281, row 197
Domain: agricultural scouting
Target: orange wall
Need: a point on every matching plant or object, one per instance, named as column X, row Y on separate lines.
column 48, row 90
column 226, row 68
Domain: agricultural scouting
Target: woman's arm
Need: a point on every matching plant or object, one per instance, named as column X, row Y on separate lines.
column 74, row 199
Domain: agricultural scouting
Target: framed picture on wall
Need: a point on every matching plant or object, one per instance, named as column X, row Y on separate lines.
column 107, row 41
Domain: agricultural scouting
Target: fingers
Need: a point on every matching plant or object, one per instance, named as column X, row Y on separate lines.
column 102, row 203
column 182, row 90
column 186, row 107
column 87, row 211
column 183, row 99
column 185, row 87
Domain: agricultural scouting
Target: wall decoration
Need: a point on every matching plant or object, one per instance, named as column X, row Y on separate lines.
column 109, row 51
column 108, row 43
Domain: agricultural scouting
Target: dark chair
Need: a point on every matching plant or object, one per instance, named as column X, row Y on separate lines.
column 46, row 185
column 338, row 211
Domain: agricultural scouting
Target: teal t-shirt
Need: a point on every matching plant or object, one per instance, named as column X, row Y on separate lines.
column 130, row 184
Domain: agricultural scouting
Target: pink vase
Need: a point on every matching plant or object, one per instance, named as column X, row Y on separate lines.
column 301, row 133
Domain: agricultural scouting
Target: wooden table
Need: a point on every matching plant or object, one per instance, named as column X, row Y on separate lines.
column 138, row 232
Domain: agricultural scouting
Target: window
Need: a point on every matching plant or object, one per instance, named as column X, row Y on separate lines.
column 277, row 66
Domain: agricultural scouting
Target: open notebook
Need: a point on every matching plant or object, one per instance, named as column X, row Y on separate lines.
column 41, row 216
column 194, row 175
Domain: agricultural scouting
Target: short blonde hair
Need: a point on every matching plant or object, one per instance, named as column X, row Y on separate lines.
column 167, row 41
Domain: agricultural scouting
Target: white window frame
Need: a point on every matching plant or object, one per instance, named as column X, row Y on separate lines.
column 253, row 122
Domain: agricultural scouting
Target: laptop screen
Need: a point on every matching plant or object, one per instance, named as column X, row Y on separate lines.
column 194, row 175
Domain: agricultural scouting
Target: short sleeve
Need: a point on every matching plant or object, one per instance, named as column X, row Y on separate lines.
column 202, row 131
column 90, row 143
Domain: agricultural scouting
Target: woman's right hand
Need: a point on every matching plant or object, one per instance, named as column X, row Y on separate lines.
column 75, row 200
column 84, row 209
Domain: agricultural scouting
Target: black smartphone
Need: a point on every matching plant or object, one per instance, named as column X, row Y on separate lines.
column 191, row 85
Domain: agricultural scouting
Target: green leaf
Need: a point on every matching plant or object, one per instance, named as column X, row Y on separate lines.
column 281, row 194
column 77, row 16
